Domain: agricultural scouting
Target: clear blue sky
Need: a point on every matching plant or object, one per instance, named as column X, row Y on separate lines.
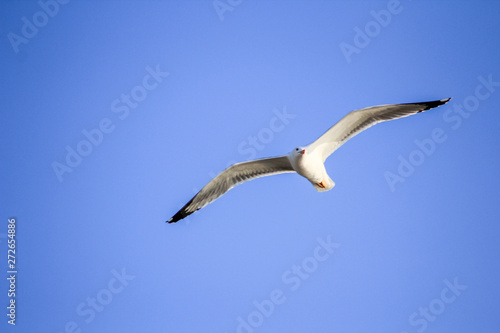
column 114, row 113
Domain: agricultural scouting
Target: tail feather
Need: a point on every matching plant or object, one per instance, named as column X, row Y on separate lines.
column 329, row 182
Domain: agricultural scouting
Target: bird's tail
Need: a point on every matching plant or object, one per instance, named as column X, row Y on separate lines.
column 329, row 185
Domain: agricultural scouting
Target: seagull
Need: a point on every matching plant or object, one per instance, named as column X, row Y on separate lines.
column 307, row 161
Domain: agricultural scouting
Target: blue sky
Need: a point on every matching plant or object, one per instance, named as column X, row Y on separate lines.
column 114, row 113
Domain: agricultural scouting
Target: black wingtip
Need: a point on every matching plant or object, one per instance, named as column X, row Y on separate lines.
column 434, row 104
column 437, row 103
column 174, row 218
column 179, row 215
column 182, row 213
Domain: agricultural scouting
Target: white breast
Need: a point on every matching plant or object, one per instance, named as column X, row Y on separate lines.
column 309, row 166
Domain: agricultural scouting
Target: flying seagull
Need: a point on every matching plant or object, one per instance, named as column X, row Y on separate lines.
column 307, row 161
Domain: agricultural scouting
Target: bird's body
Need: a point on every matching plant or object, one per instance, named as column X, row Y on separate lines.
column 309, row 164
column 306, row 161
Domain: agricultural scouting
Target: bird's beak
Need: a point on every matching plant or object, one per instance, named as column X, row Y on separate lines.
column 303, row 151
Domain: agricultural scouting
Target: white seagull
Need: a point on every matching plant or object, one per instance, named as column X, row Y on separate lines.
column 307, row 161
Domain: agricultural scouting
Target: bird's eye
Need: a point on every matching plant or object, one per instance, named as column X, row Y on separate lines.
column 297, row 149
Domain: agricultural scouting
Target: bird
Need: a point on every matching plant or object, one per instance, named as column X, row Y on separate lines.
column 308, row 161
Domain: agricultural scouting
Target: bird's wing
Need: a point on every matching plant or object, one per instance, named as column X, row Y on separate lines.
column 359, row 120
column 236, row 174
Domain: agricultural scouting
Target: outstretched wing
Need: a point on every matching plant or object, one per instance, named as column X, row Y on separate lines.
column 359, row 120
column 236, row 174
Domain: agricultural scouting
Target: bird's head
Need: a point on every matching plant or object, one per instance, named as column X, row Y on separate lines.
column 299, row 151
